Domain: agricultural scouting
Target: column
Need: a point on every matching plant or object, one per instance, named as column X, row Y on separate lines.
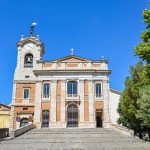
column 106, row 112
column 53, row 105
column 81, row 94
column 91, row 104
column 63, row 96
column 37, row 110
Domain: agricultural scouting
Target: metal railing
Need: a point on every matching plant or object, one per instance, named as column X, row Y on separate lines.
column 98, row 95
column 46, row 96
column 72, row 95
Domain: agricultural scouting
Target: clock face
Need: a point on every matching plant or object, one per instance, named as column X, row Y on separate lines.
column 29, row 46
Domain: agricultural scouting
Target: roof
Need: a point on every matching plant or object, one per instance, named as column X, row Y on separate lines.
column 4, row 107
column 75, row 58
column 115, row 91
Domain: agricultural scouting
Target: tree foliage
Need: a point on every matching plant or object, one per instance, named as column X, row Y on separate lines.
column 128, row 102
column 134, row 105
column 143, row 113
column 143, row 48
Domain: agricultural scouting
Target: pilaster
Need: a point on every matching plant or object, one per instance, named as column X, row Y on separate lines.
column 106, row 122
column 81, row 93
column 37, row 111
column 63, row 96
column 91, row 104
column 52, row 123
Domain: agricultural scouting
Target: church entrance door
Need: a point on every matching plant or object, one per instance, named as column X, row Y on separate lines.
column 72, row 116
column 99, row 122
column 45, row 118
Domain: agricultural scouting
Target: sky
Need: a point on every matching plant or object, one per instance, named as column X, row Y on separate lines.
column 94, row 28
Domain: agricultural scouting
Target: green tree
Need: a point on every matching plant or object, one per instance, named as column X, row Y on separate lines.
column 128, row 102
column 143, row 48
column 134, row 105
column 144, row 106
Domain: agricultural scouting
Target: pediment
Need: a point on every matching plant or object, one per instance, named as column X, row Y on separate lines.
column 4, row 107
column 72, row 59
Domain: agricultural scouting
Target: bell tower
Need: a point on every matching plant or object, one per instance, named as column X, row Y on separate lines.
column 30, row 51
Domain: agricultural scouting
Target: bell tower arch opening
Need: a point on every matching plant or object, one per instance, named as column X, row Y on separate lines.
column 28, row 60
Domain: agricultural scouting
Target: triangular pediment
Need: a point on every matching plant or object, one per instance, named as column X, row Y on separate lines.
column 4, row 107
column 72, row 58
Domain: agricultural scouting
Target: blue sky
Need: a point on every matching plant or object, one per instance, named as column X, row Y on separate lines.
column 94, row 28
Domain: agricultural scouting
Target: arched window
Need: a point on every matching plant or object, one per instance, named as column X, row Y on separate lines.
column 24, row 122
column 28, row 60
column 72, row 88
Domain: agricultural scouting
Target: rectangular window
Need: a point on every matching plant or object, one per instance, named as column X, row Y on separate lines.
column 46, row 90
column 72, row 88
column 26, row 93
column 98, row 89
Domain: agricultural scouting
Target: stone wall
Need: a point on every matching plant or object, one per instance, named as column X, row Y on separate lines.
column 22, row 130
column 122, row 130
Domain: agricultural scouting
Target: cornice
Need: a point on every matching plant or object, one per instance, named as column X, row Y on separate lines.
column 24, row 81
column 36, row 72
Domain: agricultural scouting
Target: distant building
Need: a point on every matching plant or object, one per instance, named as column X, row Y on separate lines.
column 67, row 92
column 4, row 116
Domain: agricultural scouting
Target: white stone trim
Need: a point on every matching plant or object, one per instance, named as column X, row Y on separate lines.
column 37, row 109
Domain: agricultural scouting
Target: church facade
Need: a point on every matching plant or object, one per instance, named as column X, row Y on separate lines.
column 68, row 92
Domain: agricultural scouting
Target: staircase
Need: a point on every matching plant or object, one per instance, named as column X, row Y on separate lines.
column 74, row 139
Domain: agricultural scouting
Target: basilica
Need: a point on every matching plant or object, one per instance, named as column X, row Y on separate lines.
column 71, row 91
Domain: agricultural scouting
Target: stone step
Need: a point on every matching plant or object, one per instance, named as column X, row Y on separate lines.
column 72, row 130
column 74, row 139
